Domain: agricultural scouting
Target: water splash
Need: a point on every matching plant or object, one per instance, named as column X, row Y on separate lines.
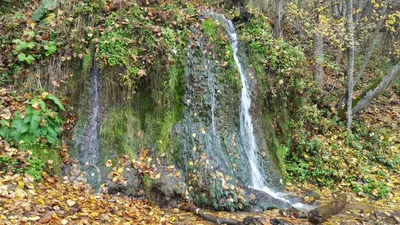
column 284, row 198
column 246, row 124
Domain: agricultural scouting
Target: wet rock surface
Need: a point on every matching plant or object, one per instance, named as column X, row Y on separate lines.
column 166, row 190
column 132, row 185
column 261, row 201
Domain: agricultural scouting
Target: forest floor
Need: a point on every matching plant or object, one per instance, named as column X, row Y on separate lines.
column 70, row 201
column 61, row 201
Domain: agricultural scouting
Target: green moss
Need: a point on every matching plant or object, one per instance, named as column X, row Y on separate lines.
column 148, row 183
column 177, row 152
column 87, row 63
column 165, row 142
column 119, row 133
column 226, row 68
column 46, row 155
column 210, row 29
column 231, row 72
column 342, row 112
column 175, row 88
column 281, row 153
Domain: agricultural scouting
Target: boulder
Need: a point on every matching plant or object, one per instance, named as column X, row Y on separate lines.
column 131, row 184
column 166, row 189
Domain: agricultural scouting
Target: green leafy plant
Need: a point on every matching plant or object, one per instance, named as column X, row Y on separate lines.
column 50, row 48
column 22, row 48
column 22, row 57
column 43, row 9
column 36, row 124
column 35, row 168
column 32, row 166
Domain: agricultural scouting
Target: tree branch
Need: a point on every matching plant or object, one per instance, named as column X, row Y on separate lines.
column 321, row 214
column 371, row 46
column 374, row 92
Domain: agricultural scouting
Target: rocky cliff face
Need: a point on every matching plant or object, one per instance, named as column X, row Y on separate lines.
column 160, row 79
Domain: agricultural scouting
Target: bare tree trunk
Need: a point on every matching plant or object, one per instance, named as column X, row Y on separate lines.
column 350, row 66
column 339, row 56
column 318, row 58
column 374, row 92
column 279, row 15
column 318, row 46
column 371, row 48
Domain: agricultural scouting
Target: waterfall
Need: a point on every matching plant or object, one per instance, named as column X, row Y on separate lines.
column 246, row 123
column 213, row 103
column 89, row 149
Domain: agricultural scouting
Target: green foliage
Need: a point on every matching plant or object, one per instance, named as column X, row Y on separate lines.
column 37, row 124
column 374, row 189
column 32, row 166
column 114, row 46
column 29, row 51
column 55, row 100
column 280, row 56
column 43, row 9
column 22, row 46
column 35, row 168
column 25, row 58
column 88, row 7
column 45, row 154
column 329, row 62
column 120, row 48
column 281, row 152
column 319, row 154
column 50, row 47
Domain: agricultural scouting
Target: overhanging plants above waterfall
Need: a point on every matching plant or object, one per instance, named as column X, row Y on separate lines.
column 134, row 39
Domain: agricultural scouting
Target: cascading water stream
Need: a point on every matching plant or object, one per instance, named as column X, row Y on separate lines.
column 89, row 150
column 213, row 99
column 246, row 124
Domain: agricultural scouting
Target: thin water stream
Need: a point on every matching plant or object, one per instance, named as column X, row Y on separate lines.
column 89, row 150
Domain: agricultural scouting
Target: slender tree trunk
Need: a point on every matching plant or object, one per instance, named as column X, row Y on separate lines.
column 339, row 56
column 318, row 46
column 374, row 92
column 279, row 15
column 340, row 52
column 335, row 9
column 371, row 47
column 318, row 58
column 350, row 66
